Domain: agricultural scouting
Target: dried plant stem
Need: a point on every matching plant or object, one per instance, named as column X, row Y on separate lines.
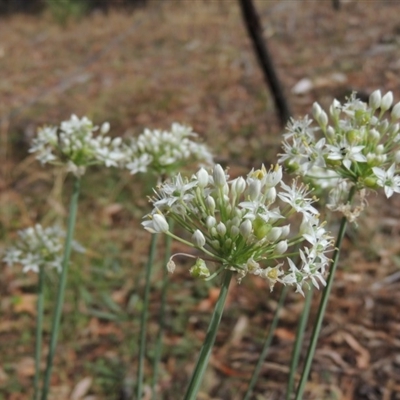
column 322, row 306
column 267, row 344
column 61, row 286
column 205, row 352
column 143, row 320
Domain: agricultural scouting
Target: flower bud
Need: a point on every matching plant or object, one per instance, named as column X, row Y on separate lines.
column 198, row 238
column 323, row 119
column 105, row 128
column 254, row 189
column 316, row 110
column 116, row 141
column 397, row 157
column 221, row 229
column 330, row 132
column 156, row 224
column 373, row 135
column 395, row 114
column 382, row 158
column 334, row 109
column 387, row 101
column 238, row 186
column 210, row 203
column 383, row 126
column 245, row 228
column 285, row 231
column 393, row 129
column 234, row 231
column 270, row 195
column 281, row 247
column 380, row 149
column 215, row 244
column 211, row 222
column 375, row 99
column 202, row 177
column 200, row 270
column 219, row 176
column 274, row 234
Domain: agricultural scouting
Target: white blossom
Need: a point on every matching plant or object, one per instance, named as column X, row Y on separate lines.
column 39, row 247
column 75, row 145
column 238, row 224
column 166, row 151
column 357, row 149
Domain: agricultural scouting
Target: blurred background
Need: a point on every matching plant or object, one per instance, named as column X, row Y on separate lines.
column 137, row 64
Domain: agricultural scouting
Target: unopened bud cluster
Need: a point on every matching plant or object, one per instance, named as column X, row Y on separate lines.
column 38, row 247
column 358, row 143
column 242, row 224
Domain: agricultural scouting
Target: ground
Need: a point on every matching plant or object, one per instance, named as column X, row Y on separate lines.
column 190, row 62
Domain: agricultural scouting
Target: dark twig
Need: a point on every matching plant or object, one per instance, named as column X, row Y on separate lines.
column 336, row 4
column 254, row 29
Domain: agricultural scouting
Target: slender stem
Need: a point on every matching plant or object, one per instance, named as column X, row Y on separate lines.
column 165, row 284
column 143, row 320
column 323, row 304
column 61, row 286
column 39, row 332
column 299, row 340
column 205, row 352
column 267, row 344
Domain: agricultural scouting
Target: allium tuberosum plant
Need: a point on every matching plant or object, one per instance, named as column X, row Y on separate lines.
column 357, row 148
column 243, row 227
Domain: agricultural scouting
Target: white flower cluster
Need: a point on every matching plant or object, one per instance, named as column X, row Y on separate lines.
column 75, row 145
column 165, row 152
column 239, row 224
column 39, row 247
column 355, row 144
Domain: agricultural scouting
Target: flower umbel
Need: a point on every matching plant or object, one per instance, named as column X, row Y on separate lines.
column 164, row 152
column 75, row 145
column 356, row 147
column 240, row 225
column 38, row 247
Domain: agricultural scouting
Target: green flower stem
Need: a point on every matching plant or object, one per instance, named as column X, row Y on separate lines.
column 61, row 286
column 299, row 341
column 205, row 352
column 143, row 320
column 165, row 284
column 39, row 332
column 267, row 344
column 323, row 304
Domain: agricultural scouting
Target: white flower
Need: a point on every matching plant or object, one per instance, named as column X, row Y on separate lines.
column 388, row 180
column 237, row 223
column 74, row 145
column 39, row 247
column 167, row 151
column 346, row 152
column 296, row 196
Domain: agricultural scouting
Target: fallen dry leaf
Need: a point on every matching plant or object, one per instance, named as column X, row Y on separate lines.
column 25, row 303
column 81, row 388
